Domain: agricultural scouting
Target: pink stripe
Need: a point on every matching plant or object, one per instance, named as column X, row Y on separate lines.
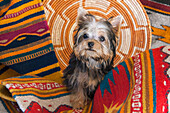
column 31, row 29
column 22, row 11
column 156, row 5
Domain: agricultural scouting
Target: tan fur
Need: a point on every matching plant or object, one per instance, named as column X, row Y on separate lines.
column 93, row 53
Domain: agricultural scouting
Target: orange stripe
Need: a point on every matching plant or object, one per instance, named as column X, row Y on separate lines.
column 59, row 89
column 9, row 106
column 24, row 22
column 19, row 17
column 127, row 106
column 30, row 3
column 43, row 69
column 40, row 95
column 26, row 50
column 25, row 79
column 158, row 10
column 150, row 83
column 143, row 83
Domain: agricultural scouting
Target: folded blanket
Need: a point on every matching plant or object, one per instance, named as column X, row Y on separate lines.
column 139, row 84
column 25, row 45
column 25, row 41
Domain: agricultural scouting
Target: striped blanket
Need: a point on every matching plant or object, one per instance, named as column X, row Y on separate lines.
column 25, row 45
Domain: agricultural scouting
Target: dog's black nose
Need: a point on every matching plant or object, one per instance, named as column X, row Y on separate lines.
column 90, row 44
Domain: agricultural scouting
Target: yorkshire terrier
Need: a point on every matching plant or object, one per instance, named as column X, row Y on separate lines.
column 93, row 53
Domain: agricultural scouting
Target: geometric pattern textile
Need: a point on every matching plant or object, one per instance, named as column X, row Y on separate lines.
column 36, row 94
column 25, row 41
column 160, row 26
column 139, row 84
column 25, row 46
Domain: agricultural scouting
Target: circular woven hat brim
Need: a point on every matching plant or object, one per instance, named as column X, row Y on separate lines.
column 135, row 35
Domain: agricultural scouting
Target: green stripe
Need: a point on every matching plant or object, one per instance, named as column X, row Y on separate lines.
column 5, row 2
column 153, row 81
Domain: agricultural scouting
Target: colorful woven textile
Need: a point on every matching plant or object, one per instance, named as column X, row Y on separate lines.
column 25, row 43
column 26, row 48
column 135, row 34
column 140, row 84
column 161, row 25
column 38, row 95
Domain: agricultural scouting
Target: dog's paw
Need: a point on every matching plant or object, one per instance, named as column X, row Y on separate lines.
column 78, row 102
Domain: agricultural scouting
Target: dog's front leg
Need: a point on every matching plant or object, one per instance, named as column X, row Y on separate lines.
column 78, row 98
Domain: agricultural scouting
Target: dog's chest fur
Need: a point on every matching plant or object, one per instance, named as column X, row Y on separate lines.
column 77, row 74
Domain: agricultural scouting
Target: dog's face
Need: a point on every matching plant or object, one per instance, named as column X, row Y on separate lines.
column 95, row 40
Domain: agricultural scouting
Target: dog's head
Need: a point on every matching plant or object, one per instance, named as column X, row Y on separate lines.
column 96, row 40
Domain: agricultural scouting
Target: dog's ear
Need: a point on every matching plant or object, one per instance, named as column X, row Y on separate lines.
column 83, row 16
column 116, row 24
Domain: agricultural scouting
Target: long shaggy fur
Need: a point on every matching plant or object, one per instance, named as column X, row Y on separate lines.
column 93, row 54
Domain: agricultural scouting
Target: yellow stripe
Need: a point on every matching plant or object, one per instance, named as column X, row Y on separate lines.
column 32, row 11
column 26, row 81
column 150, row 83
column 132, row 84
column 23, row 6
column 43, row 69
column 27, row 49
column 2, row 66
column 157, row 9
column 9, row 73
column 39, row 90
column 24, row 22
column 6, row 8
column 57, row 77
column 37, row 94
column 143, row 83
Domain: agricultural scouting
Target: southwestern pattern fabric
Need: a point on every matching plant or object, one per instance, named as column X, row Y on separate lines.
column 140, row 84
column 38, row 95
column 159, row 15
column 25, row 43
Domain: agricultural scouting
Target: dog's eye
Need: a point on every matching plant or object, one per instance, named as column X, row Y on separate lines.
column 101, row 38
column 85, row 36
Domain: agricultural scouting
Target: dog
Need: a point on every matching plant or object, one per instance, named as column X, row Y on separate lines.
column 94, row 50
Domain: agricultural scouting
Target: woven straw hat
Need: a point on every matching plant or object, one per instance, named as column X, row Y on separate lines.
column 135, row 33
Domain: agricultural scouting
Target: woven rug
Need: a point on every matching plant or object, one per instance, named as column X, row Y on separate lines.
column 25, row 45
column 160, row 26
column 25, row 40
column 135, row 34
column 140, row 84
column 146, row 77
